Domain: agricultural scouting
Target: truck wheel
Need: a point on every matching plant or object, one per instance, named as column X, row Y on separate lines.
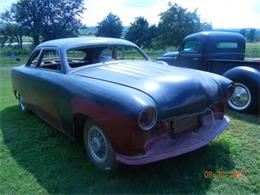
column 98, row 147
column 242, row 99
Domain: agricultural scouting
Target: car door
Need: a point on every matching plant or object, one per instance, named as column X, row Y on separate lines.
column 190, row 55
column 45, row 86
column 26, row 79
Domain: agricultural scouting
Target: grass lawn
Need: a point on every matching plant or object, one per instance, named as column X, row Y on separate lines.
column 35, row 158
column 7, row 61
column 253, row 50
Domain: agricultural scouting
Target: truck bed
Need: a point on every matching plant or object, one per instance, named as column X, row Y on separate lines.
column 221, row 66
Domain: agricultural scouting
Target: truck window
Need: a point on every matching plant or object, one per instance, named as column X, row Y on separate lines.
column 227, row 45
column 191, row 46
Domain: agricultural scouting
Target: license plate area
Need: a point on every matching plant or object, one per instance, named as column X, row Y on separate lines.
column 180, row 126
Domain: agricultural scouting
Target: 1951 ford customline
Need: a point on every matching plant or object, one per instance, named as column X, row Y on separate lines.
column 125, row 107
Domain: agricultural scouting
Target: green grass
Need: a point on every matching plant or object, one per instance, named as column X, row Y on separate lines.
column 35, row 158
column 7, row 61
column 253, row 50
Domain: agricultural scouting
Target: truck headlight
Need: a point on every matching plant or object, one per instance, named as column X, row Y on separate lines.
column 147, row 118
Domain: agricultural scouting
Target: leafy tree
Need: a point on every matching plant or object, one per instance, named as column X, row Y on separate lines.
column 49, row 18
column 111, row 26
column 11, row 31
column 176, row 23
column 251, row 35
column 138, row 32
column 141, row 33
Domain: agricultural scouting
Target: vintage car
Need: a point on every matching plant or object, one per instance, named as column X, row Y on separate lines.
column 125, row 107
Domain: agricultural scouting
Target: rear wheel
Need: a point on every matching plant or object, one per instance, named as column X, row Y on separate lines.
column 98, row 147
column 242, row 99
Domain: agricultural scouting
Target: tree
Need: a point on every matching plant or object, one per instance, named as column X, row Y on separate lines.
column 50, row 19
column 11, row 31
column 243, row 32
column 141, row 33
column 251, row 35
column 176, row 23
column 111, row 26
column 138, row 32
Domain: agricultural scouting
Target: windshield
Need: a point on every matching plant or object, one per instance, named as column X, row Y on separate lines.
column 91, row 55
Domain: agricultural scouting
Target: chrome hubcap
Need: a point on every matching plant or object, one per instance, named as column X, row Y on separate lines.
column 97, row 144
column 241, row 97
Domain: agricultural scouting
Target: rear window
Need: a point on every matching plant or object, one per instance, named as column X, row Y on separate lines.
column 76, row 54
column 227, row 45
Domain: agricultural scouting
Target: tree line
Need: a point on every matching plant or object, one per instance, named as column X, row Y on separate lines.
column 41, row 20
column 249, row 34
column 52, row 19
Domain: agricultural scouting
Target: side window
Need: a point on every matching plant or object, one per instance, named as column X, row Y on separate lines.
column 33, row 60
column 74, row 54
column 76, row 58
column 50, row 59
column 227, row 45
column 191, row 46
column 106, row 55
column 129, row 53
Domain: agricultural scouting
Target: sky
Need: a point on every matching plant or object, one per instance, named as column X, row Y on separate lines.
column 221, row 13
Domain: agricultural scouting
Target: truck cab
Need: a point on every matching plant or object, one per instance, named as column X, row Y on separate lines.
column 221, row 53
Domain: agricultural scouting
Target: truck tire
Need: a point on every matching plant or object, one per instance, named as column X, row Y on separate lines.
column 243, row 98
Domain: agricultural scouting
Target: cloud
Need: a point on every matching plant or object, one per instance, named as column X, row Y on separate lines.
column 221, row 13
column 97, row 10
column 227, row 13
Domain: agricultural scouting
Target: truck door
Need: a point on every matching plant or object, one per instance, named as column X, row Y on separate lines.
column 190, row 55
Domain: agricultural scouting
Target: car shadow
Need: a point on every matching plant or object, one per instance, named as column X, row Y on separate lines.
column 60, row 166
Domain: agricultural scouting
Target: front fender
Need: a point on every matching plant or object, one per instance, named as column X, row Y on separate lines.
column 245, row 74
column 117, row 113
column 249, row 77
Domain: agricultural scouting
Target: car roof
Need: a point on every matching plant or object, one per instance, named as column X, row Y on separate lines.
column 68, row 43
column 216, row 35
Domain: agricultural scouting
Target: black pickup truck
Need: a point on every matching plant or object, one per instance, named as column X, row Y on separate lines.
column 221, row 53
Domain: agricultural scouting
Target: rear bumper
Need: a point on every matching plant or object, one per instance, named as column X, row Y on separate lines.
column 167, row 147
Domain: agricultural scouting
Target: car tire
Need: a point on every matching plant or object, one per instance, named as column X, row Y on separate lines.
column 22, row 104
column 243, row 98
column 98, row 147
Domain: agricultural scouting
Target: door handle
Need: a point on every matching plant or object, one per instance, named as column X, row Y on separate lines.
column 195, row 59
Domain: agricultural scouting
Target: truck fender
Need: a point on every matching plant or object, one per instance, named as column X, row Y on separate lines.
column 250, row 78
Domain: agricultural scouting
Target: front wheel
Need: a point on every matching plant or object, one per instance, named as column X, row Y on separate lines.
column 241, row 100
column 98, row 147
